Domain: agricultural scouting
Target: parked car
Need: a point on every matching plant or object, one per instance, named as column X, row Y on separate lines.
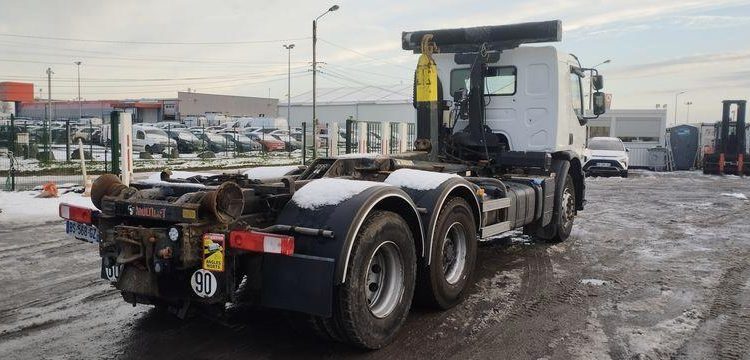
column 269, row 142
column 82, row 133
column 606, row 156
column 187, row 142
column 289, row 141
column 241, row 142
column 169, row 125
column 214, row 142
column 151, row 139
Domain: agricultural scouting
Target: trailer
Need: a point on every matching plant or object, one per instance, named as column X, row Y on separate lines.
column 351, row 242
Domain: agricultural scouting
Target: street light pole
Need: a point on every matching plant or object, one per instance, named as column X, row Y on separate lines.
column 315, row 71
column 80, row 107
column 676, row 105
column 289, row 95
column 688, row 111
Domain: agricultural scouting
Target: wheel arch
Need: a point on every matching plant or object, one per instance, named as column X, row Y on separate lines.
column 576, row 173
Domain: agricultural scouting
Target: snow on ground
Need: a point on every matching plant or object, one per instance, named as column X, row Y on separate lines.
column 418, row 179
column 269, row 172
column 740, row 196
column 324, row 192
column 23, row 207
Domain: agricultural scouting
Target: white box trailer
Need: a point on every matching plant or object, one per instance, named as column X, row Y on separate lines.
column 639, row 129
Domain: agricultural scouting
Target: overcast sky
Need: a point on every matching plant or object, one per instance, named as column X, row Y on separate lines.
column 135, row 48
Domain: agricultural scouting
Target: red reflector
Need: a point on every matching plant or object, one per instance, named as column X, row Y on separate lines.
column 262, row 242
column 75, row 213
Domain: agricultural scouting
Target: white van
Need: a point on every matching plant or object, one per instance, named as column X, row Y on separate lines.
column 151, row 139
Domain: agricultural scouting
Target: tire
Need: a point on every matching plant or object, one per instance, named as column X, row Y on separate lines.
column 624, row 174
column 564, row 210
column 365, row 314
column 442, row 284
column 147, row 149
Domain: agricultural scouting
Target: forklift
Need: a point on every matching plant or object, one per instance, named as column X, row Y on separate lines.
column 730, row 155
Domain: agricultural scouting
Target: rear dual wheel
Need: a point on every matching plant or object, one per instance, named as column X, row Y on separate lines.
column 444, row 281
column 373, row 303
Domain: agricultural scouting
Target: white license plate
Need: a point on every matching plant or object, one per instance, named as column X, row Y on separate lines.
column 82, row 231
column 603, row 164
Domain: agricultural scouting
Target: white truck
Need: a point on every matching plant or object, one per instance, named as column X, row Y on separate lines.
column 351, row 241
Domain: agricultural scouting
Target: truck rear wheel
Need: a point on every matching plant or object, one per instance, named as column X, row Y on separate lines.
column 373, row 303
column 443, row 283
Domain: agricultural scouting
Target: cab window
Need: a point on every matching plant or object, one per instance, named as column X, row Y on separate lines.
column 576, row 94
column 500, row 80
column 140, row 135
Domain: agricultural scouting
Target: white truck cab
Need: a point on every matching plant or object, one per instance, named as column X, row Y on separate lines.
column 533, row 99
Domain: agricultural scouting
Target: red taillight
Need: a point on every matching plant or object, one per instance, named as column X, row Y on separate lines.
column 75, row 213
column 262, row 242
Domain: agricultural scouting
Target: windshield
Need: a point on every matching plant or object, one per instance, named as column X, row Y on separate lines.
column 216, row 138
column 155, row 132
column 605, row 144
column 187, row 136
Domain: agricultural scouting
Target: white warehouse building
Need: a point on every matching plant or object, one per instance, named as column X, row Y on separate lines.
column 367, row 103
column 639, row 129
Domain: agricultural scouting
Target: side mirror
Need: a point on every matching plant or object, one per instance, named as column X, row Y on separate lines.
column 598, row 82
column 627, row 150
column 599, row 103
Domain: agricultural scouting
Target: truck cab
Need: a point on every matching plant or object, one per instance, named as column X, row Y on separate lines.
column 533, row 96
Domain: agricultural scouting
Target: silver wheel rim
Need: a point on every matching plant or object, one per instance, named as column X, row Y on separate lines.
column 568, row 207
column 454, row 253
column 385, row 280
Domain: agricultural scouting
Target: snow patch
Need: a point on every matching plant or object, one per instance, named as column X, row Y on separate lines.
column 269, row 172
column 359, row 156
column 740, row 196
column 594, row 282
column 23, row 207
column 322, row 192
column 418, row 179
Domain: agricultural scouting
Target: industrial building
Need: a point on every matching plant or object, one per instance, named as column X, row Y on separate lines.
column 639, row 129
column 18, row 98
column 191, row 103
column 366, row 103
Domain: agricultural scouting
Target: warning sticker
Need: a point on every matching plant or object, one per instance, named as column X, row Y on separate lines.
column 213, row 252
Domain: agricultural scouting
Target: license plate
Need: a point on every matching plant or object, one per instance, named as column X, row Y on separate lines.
column 603, row 164
column 81, row 231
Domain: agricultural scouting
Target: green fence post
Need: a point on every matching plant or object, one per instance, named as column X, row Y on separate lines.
column 114, row 123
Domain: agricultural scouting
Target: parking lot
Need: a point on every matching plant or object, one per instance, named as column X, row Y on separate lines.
column 657, row 268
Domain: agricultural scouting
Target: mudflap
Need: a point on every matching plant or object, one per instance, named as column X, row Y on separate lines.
column 299, row 283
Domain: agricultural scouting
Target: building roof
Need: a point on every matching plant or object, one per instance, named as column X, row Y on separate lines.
column 399, row 93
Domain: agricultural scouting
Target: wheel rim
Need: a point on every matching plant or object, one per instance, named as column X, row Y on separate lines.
column 568, row 207
column 454, row 253
column 385, row 279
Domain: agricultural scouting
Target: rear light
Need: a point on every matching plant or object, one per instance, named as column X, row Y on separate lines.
column 262, row 242
column 77, row 214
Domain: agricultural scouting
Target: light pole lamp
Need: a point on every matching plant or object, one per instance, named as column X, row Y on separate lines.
column 687, row 104
column 289, row 94
column 676, row 105
column 591, row 83
column 314, row 70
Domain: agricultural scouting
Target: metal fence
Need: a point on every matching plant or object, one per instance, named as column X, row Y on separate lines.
column 357, row 137
column 34, row 152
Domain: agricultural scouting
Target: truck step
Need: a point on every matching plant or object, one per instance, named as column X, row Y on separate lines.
column 494, row 229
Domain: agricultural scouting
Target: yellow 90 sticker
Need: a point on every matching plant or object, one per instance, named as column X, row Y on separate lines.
column 213, row 252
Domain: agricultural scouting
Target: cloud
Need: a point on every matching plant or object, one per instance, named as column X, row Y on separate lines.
column 681, row 64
